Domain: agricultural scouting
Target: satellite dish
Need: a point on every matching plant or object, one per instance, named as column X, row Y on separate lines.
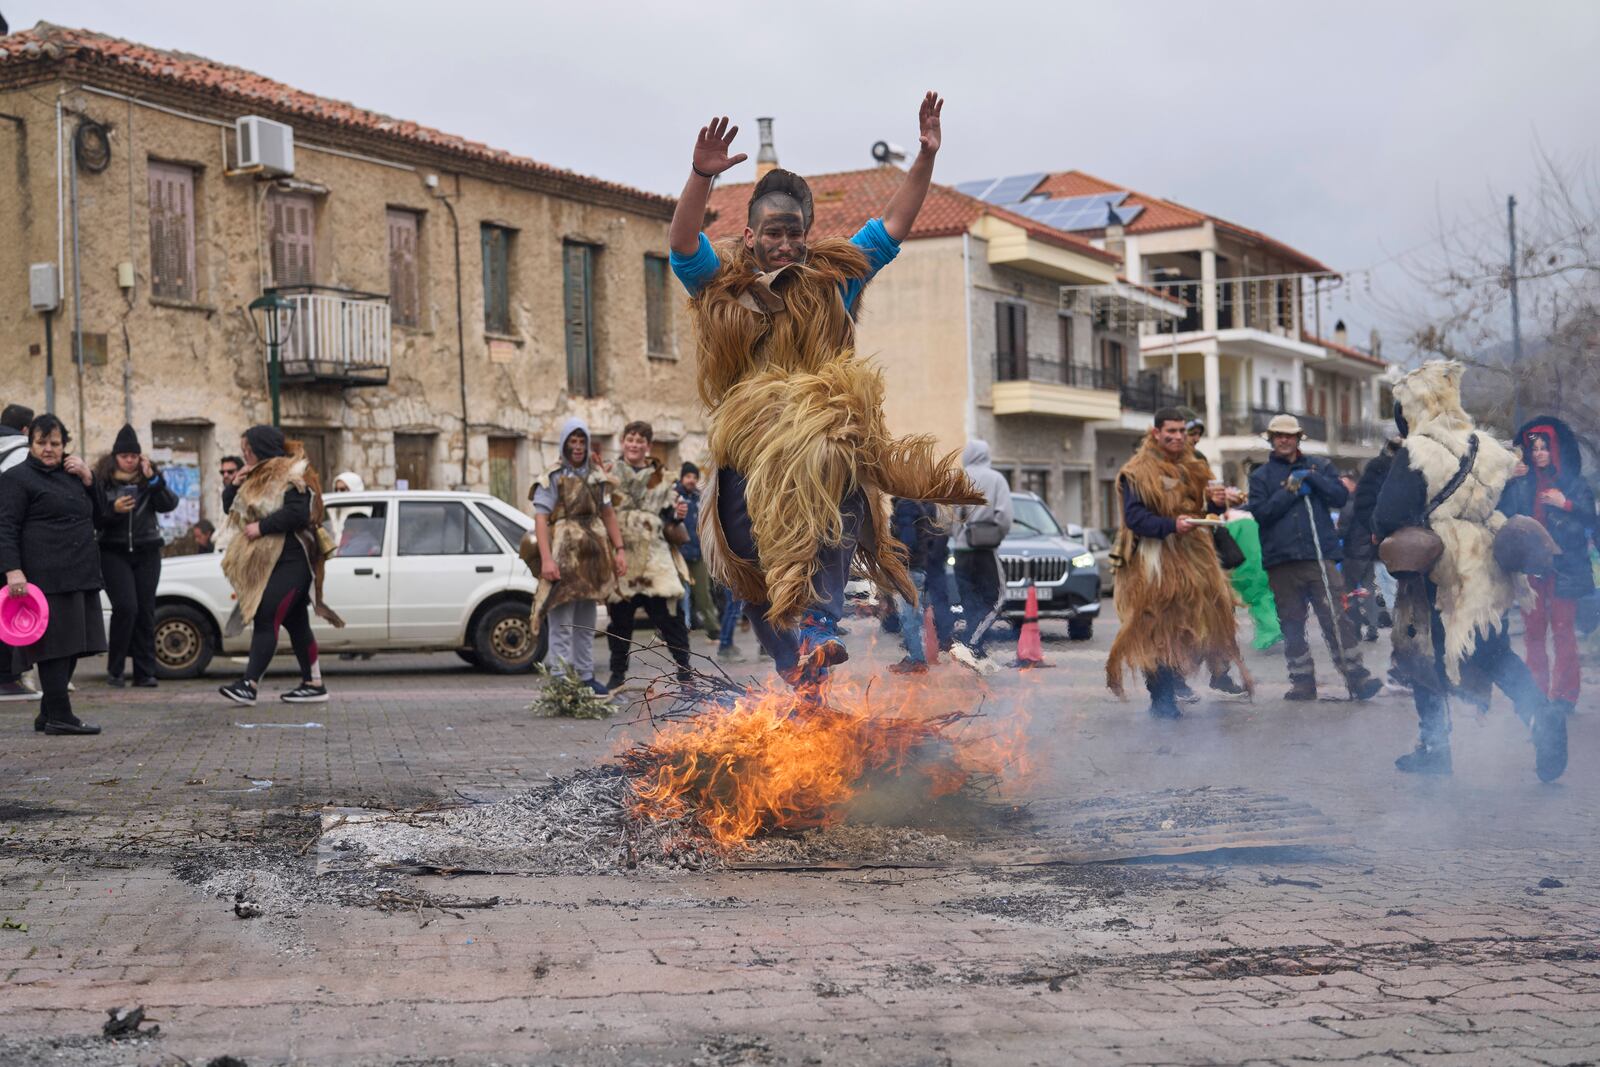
column 884, row 152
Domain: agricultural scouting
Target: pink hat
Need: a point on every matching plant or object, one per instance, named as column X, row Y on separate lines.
column 23, row 619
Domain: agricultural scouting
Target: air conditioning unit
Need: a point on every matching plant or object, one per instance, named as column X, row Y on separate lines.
column 265, row 144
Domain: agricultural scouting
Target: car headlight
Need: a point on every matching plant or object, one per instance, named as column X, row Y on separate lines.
column 1083, row 562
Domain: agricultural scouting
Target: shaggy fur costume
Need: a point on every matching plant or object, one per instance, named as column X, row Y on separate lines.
column 801, row 417
column 578, row 541
column 248, row 564
column 1474, row 593
column 1172, row 597
column 654, row 567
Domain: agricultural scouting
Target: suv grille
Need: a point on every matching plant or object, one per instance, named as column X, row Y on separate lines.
column 1043, row 571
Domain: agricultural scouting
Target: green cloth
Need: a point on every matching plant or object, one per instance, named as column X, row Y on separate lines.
column 1250, row 582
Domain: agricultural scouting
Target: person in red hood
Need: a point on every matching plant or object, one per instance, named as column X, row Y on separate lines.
column 1549, row 486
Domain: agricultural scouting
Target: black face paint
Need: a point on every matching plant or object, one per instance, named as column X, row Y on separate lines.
column 779, row 238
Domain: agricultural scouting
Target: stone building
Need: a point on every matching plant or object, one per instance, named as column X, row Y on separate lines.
column 453, row 303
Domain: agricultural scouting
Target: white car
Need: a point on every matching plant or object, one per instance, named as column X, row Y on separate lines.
column 414, row 571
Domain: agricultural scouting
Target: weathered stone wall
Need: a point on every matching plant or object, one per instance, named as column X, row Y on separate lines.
column 200, row 363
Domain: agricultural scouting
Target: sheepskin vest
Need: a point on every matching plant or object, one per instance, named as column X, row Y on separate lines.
column 578, row 541
column 1174, row 602
column 653, row 565
column 248, row 564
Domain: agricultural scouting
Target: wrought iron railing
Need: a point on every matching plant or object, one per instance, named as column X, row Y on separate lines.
column 1148, row 395
column 1032, row 367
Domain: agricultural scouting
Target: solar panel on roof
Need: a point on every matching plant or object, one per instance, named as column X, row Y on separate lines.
column 976, row 188
column 1011, row 190
column 1076, row 213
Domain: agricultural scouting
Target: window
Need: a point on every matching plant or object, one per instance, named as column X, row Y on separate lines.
column 405, row 269
column 1265, row 399
column 657, row 310
column 1111, row 360
column 510, row 529
column 1283, row 396
column 442, row 528
column 497, row 279
column 357, row 529
column 172, row 232
column 1037, row 482
column 503, row 468
column 292, row 234
column 1011, row 342
column 578, row 311
column 413, row 460
column 1064, row 325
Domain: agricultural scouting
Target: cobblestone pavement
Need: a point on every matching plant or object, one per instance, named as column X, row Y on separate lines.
column 1459, row 928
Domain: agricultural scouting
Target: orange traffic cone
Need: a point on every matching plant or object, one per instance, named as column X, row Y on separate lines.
column 930, row 639
column 1030, row 651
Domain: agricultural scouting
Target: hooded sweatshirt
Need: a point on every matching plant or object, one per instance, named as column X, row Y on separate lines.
column 544, row 494
column 1571, row 526
column 13, row 448
column 996, row 493
column 352, row 482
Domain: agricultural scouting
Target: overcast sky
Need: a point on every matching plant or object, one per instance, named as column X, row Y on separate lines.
column 1354, row 131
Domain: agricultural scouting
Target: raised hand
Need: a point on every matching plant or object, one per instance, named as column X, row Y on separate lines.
column 711, row 148
column 929, row 132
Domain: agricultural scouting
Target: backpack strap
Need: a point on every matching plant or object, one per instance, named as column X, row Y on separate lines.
column 1455, row 483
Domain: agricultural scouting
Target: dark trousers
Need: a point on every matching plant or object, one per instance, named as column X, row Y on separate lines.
column 1358, row 579
column 700, row 599
column 1493, row 661
column 131, row 579
column 55, row 703
column 1297, row 589
column 833, row 562
column 7, row 675
column 1162, row 684
column 663, row 616
column 286, row 605
column 982, row 586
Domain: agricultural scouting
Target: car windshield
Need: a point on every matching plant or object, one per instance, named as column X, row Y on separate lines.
column 1031, row 517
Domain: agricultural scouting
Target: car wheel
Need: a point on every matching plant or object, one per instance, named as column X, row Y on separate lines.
column 183, row 641
column 503, row 641
column 1080, row 629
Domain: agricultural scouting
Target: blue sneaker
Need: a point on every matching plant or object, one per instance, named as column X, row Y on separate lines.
column 599, row 689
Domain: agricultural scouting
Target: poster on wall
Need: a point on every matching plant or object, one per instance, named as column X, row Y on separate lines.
column 182, row 473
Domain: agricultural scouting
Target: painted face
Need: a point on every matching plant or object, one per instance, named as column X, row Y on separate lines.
column 1285, row 444
column 48, row 448
column 576, row 448
column 1171, row 438
column 635, row 448
column 127, row 462
column 779, row 236
column 1539, row 449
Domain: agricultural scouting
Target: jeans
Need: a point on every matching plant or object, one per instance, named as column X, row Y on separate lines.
column 1297, row 587
column 1555, row 616
column 982, row 586
column 936, row 586
column 730, row 621
column 131, row 579
column 833, row 569
column 911, row 620
column 571, row 629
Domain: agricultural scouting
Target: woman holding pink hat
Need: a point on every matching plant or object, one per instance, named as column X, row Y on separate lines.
column 47, row 546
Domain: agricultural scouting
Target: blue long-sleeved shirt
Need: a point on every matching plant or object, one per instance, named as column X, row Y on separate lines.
column 698, row 268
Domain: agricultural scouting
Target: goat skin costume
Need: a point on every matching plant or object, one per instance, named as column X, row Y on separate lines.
column 248, row 564
column 654, row 566
column 578, row 540
column 800, row 415
column 1173, row 600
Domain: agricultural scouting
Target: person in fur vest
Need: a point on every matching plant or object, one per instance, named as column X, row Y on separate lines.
column 1173, row 601
column 647, row 505
column 274, row 561
column 1448, row 478
column 803, row 463
column 1548, row 485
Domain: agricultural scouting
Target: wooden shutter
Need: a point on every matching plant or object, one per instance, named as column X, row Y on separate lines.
column 496, row 279
column 404, row 274
column 1011, row 341
column 503, row 468
column 577, row 271
column 658, row 339
column 171, row 231
column 292, row 220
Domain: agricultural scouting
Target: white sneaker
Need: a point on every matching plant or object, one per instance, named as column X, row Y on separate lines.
column 964, row 655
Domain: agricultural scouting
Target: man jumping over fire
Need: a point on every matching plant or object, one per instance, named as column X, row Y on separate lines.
column 803, row 460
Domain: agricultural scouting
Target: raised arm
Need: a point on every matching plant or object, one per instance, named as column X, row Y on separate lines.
column 901, row 213
column 709, row 160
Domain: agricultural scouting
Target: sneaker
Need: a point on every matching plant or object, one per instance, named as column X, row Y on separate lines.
column 820, row 646
column 17, row 691
column 979, row 662
column 116, row 681
column 1301, row 692
column 240, row 692
column 1182, row 692
column 730, row 654
column 1398, row 680
column 909, row 666
column 615, row 684
column 1550, row 743
column 1425, row 759
column 1365, row 687
column 145, row 683
column 1371, row 634
column 305, row 693
column 1224, row 683
column 598, row 689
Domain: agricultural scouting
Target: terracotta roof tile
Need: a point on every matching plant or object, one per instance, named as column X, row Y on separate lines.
column 1345, row 350
column 49, row 44
column 844, row 201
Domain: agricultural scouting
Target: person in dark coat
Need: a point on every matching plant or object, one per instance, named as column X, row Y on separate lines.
column 703, row 613
column 47, row 538
column 130, row 494
column 13, row 450
column 1548, row 485
column 1301, row 558
column 1360, row 548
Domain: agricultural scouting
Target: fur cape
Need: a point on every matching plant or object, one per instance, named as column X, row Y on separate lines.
column 1474, row 593
column 248, row 564
column 801, row 417
column 654, row 567
column 1173, row 600
column 579, row 542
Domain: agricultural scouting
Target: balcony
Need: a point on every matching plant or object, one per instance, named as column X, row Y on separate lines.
column 1027, row 384
column 336, row 336
column 1253, row 422
column 1148, row 394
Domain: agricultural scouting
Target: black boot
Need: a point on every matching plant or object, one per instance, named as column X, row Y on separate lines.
column 1549, row 742
column 1363, row 686
column 1222, row 682
column 1164, row 707
column 1425, row 759
column 1301, row 689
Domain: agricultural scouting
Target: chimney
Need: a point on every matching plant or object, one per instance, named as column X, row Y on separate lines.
column 1341, row 336
column 766, row 156
column 1375, row 343
column 1113, row 241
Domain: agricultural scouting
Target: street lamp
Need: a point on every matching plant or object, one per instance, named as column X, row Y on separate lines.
column 268, row 319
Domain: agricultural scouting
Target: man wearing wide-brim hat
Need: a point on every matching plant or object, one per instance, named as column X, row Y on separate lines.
column 1290, row 495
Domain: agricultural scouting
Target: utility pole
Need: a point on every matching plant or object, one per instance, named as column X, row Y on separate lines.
column 1516, row 317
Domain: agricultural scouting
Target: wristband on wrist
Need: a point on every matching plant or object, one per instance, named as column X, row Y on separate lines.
column 700, row 172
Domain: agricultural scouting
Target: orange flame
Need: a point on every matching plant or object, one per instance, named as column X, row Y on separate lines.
column 775, row 761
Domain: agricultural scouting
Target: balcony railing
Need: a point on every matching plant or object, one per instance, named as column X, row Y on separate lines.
column 1149, row 395
column 1029, row 367
column 336, row 335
